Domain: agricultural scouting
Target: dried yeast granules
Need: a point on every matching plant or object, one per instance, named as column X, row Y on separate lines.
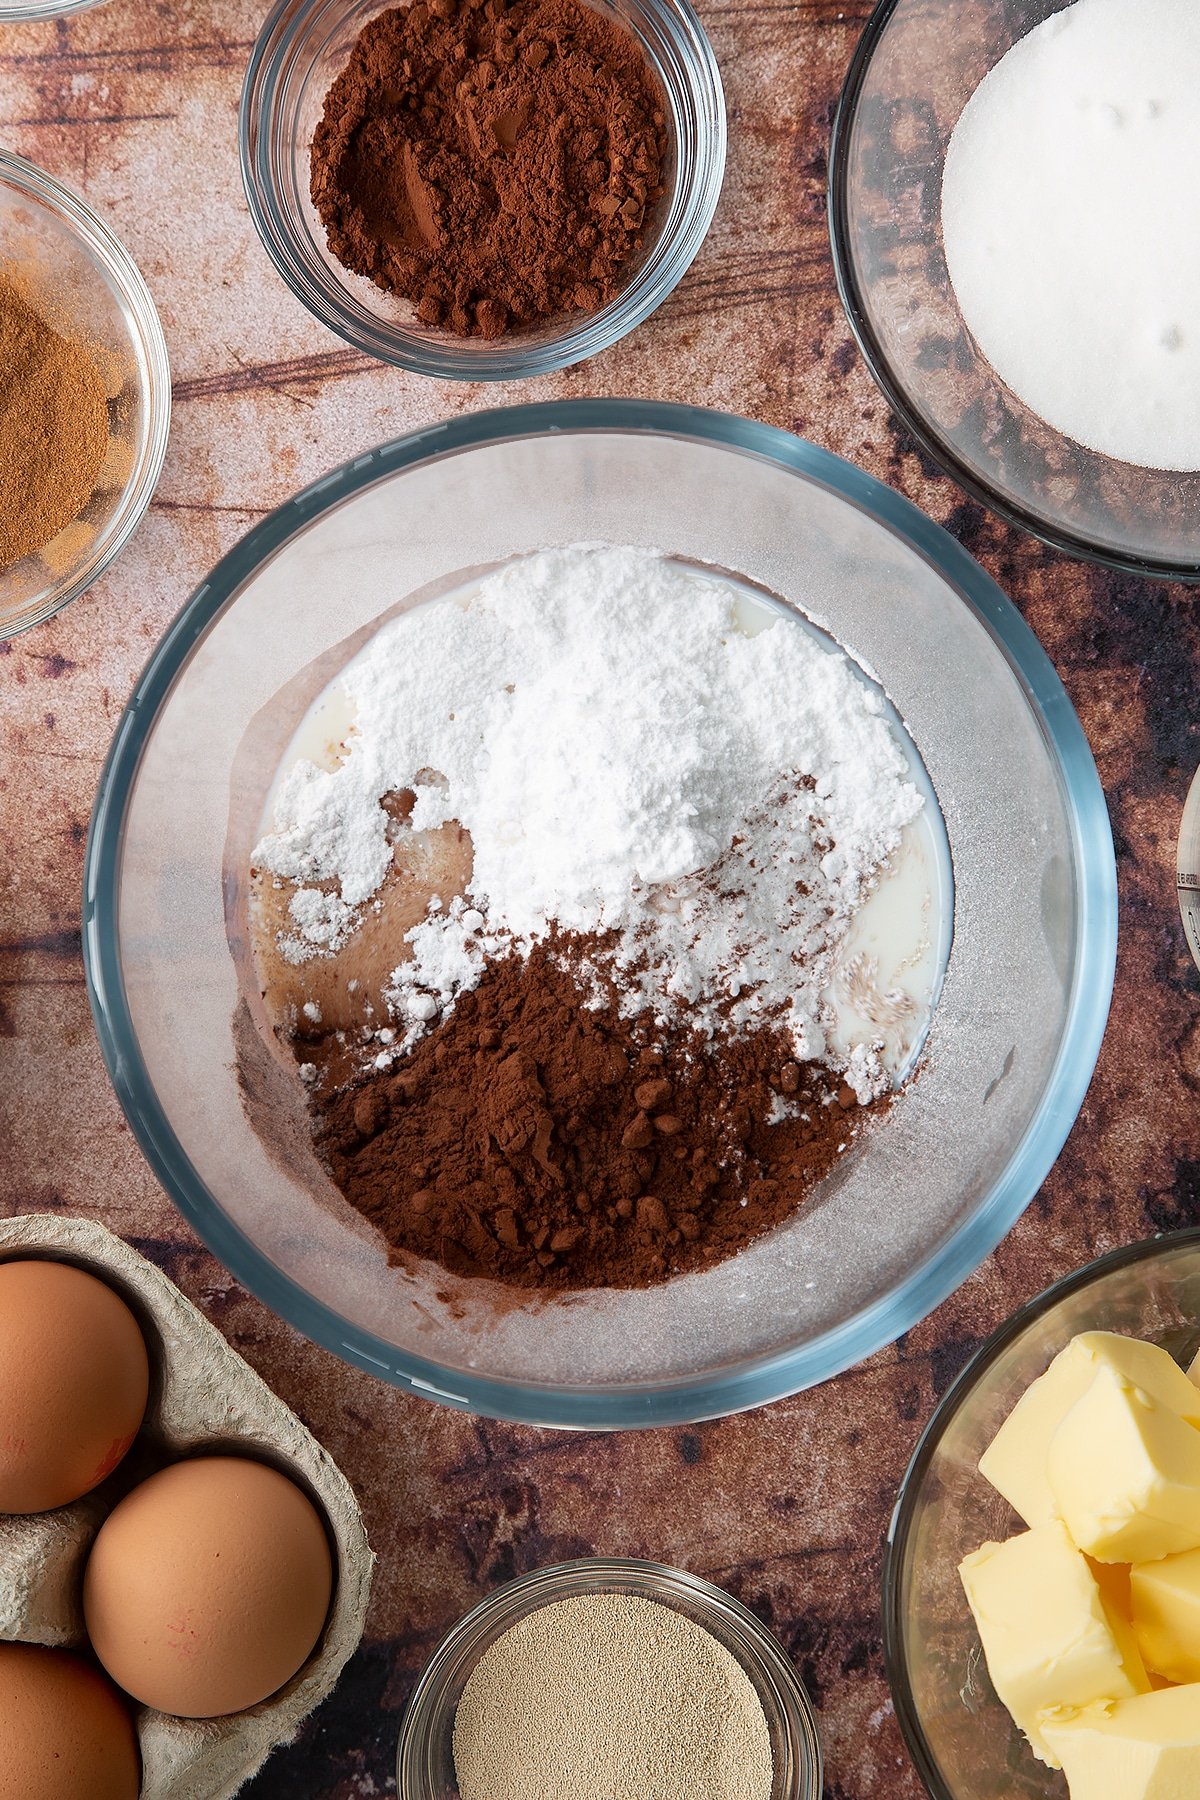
column 495, row 164
column 610, row 1697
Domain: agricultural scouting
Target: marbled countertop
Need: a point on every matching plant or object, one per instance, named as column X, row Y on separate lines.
column 135, row 104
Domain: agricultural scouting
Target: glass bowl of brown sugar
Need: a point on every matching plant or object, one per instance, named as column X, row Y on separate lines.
column 87, row 401
column 615, row 1666
column 482, row 190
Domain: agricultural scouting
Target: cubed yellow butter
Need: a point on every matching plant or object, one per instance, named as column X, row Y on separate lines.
column 1147, row 1748
column 1114, row 1584
column 1194, row 1369
column 1116, row 1598
column 1046, row 1633
column 1015, row 1460
column 1125, row 1474
column 1165, row 1599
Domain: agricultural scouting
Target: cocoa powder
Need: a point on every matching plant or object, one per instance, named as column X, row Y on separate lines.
column 543, row 1141
column 494, row 163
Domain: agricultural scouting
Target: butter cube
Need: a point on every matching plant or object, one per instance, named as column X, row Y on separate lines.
column 1125, row 1474
column 1165, row 1600
column 1113, row 1580
column 1147, row 1748
column 1046, row 1633
column 1015, row 1460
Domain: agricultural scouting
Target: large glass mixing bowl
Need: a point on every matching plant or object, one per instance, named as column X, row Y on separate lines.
column 910, row 1210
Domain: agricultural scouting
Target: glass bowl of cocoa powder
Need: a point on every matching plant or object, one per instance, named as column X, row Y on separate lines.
column 88, row 397
column 220, row 1104
column 482, row 191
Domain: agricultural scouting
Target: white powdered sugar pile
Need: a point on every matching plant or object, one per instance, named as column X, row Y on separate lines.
column 628, row 759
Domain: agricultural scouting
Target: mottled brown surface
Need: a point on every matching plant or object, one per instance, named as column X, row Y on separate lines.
column 136, row 104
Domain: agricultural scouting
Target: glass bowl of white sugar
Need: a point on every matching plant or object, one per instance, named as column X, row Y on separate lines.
column 615, row 1676
column 1015, row 923
column 1017, row 244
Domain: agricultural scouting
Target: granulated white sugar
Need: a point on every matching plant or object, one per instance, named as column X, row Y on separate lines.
column 627, row 758
column 1072, row 225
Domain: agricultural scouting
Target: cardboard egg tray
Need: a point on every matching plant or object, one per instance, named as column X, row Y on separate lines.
column 202, row 1396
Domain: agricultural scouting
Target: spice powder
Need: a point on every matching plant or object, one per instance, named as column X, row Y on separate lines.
column 53, row 428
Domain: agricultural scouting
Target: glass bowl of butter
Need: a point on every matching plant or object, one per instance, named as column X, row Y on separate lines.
column 1078, row 1543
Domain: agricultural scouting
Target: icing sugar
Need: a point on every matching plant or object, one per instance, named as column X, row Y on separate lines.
column 629, row 759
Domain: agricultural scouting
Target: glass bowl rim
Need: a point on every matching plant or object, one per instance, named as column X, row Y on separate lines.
column 150, row 356
column 1058, row 537
column 587, row 1575
column 772, row 1376
column 908, row 1714
column 507, row 359
column 48, row 9
column 1187, row 882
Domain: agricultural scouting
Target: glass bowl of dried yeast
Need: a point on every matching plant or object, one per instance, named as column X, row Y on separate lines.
column 623, row 1668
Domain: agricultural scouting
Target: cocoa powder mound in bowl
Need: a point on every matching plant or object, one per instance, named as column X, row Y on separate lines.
column 494, row 164
column 483, row 191
column 543, row 1140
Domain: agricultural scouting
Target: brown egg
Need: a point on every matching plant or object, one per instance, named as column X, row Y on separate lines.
column 208, row 1586
column 65, row 1732
column 74, row 1379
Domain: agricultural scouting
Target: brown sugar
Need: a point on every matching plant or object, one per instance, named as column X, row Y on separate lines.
column 53, row 428
column 495, row 164
column 543, row 1140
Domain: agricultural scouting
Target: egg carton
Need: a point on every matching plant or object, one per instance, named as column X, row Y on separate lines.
column 202, row 1396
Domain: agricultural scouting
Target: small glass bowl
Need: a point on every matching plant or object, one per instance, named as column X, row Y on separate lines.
column 961, row 1738
column 425, row 1767
column 916, row 65
column 305, row 44
column 93, row 290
